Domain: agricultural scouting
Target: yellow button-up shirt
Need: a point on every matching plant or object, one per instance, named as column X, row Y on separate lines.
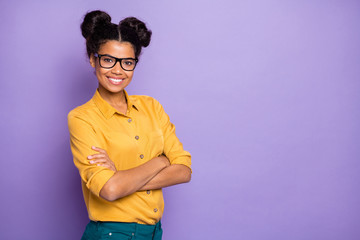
column 130, row 140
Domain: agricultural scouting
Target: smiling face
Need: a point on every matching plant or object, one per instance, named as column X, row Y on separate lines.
column 113, row 80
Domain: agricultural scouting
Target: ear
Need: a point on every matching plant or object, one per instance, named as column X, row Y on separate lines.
column 92, row 60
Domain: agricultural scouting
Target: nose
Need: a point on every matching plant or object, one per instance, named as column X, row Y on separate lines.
column 117, row 69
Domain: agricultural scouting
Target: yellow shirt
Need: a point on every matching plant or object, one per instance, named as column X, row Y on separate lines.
column 130, row 140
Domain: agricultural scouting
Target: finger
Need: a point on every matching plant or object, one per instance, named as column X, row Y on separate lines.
column 104, row 165
column 97, row 155
column 98, row 149
column 98, row 161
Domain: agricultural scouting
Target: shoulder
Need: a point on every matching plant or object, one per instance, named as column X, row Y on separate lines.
column 84, row 110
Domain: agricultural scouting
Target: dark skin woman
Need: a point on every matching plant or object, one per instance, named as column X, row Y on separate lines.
column 124, row 146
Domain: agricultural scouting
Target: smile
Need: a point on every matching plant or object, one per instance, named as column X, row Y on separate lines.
column 115, row 80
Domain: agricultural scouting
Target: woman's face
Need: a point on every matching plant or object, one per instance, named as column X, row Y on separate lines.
column 115, row 79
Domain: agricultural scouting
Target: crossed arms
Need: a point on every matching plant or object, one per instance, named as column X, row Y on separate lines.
column 155, row 174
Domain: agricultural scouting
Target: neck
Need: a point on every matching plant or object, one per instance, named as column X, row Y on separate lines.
column 116, row 100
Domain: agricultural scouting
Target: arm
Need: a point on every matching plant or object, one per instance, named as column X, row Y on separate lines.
column 148, row 176
column 180, row 160
column 172, row 175
column 98, row 173
column 83, row 135
column 126, row 182
column 155, row 174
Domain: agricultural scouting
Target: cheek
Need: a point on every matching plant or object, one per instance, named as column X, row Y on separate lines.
column 130, row 75
column 100, row 71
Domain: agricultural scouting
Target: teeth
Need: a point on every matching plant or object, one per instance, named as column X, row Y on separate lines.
column 115, row 80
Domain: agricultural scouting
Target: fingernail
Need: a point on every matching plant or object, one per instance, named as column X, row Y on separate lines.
column 89, row 157
column 91, row 162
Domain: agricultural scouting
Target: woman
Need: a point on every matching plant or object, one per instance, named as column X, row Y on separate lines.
column 124, row 146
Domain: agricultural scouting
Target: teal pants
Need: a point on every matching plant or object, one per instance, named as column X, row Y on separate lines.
column 122, row 231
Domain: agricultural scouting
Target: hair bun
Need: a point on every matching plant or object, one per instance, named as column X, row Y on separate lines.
column 92, row 20
column 144, row 35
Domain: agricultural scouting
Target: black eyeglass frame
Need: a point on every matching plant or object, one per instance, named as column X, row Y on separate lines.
column 116, row 60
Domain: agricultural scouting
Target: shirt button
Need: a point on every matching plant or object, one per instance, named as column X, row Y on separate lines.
column 148, row 191
column 129, row 120
column 141, row 156
column 110, row 234
column 137, row 137
column 155, row 209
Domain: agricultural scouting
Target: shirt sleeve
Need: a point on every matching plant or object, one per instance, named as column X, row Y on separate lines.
column 173, row 148
column 82, row 138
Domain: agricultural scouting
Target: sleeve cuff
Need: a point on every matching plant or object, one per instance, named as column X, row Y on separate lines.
column 97, row 182
column 183, row 161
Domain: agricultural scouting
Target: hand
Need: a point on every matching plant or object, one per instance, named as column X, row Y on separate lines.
column 101, row 159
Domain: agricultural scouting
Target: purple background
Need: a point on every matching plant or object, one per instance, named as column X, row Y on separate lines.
column 264, row 94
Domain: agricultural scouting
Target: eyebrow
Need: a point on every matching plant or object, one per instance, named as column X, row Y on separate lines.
column 108, row 55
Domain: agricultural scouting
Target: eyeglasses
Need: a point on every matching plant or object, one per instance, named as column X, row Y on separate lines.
column 107, row 61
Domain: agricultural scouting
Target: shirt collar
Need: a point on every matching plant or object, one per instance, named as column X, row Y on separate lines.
column 107, row 110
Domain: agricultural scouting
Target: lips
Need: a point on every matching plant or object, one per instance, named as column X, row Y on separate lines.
column 116, row 81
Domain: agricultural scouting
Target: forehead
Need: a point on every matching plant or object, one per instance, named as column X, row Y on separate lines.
column 117, row 49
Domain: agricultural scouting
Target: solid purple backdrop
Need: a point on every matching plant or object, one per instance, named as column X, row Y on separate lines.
column 264, row 94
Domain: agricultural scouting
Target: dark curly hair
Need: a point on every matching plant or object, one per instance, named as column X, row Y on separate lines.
column 97, row 29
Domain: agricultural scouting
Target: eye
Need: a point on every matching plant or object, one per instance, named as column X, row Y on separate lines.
column 129, row 62
column 108, row 59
